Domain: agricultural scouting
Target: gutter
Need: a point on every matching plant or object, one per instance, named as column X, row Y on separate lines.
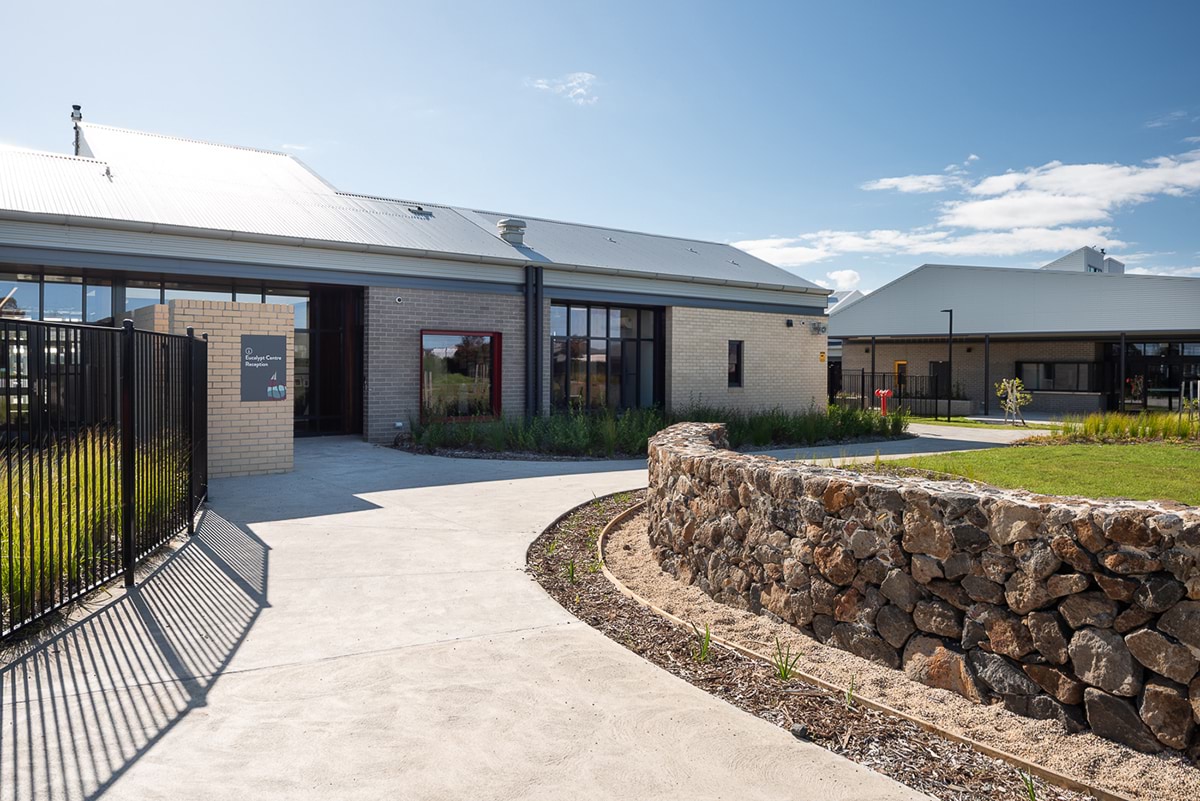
column 69, row 220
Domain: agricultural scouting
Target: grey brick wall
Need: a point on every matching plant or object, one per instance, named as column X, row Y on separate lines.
column 781, row 366
column 393, row 348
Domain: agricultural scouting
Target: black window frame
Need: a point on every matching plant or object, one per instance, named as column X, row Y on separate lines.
column 646, row 341
column 737, row 363
column 1095, row 373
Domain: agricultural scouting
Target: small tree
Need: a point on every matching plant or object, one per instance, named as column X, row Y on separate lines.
column 1013, row 396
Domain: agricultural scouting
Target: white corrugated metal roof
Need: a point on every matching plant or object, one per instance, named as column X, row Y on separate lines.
column 843, row 297
column 1010, row 301
column 169, row 185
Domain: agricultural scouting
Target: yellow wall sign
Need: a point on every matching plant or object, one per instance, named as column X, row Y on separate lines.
column 822, row 355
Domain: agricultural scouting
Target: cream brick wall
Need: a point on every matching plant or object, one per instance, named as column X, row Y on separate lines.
column 243, row 438
column 968, row 366
column 393, row 348
column 781, row 366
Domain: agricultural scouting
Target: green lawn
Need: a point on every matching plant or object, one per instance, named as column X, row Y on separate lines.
column 963, row 422
column 1142, row 471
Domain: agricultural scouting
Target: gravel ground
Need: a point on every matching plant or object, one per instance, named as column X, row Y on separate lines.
column 563, row 560
column 1085, row 757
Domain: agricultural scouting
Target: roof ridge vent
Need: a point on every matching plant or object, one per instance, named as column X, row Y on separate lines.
column 511, row 230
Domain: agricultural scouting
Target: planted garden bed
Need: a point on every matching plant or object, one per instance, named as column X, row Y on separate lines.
column 607, row 434
column 564, row 561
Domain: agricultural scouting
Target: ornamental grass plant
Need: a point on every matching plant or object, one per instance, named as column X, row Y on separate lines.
column 60, row 516
column 1119, row 426
column 576, row 432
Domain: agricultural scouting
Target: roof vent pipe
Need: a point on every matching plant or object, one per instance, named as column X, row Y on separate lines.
column 512, row 231
column 76, row 118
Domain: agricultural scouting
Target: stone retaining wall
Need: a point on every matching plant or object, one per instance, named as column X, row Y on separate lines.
column 1058, row 608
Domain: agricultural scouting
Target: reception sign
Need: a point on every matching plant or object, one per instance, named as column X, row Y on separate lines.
column 264, row 368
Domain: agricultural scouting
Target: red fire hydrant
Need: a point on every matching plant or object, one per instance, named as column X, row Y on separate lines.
column 883, row 395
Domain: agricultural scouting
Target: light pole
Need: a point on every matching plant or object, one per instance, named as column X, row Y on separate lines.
column 949, row 361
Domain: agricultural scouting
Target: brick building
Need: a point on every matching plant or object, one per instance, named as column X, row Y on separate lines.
column 400, row 310
column 1081, row 334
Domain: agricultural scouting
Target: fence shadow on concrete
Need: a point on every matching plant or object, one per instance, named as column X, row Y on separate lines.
column 82, row 707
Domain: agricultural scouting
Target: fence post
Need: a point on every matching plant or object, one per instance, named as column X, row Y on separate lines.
column 204, row 488
column 190, row 412
column 127, row 452
column 862, row 388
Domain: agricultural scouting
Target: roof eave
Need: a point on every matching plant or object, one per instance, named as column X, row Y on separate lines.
column 134, row 226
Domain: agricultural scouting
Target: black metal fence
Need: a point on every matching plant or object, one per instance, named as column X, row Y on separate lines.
column 917, row 394
column 104, row 436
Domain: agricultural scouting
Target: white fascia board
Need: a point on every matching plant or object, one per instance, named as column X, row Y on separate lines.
column 315, row 253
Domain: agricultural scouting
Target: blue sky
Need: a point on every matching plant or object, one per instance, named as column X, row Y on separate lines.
column 848, row 141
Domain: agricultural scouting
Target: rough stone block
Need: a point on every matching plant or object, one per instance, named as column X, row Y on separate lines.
column 1101, row 658
column 1161, row 655
column 929, row 661
column 1116, row 719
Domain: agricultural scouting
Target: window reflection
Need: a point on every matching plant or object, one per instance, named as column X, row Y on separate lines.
column 299, row 302
column 456, row 376
column 62, row 302
column 20, row 297
column 98, row 302
column 196, row 292
column 139, row 295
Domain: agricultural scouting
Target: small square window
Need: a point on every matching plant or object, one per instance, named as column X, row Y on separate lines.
column 735, row 362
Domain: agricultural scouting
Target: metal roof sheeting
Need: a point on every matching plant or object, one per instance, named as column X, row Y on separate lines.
column 1010, row 301
column 162, row 184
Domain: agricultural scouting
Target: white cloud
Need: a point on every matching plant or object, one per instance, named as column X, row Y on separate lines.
column 843, row 279
column 1186, row 272
column 935, row 182
column 297, row 148
column 1031, row 213
column 808, row 249
column 784, row 251
column 576, row 87
column 1192, row 140
column 1141, row 256
column 1064, row 194
column 1163, row 120
column 952, row 176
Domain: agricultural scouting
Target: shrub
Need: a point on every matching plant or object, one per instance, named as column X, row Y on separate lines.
column 576, row 432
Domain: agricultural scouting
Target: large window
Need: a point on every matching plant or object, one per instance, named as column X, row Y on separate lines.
column 1059, row 376
column 459, row 375
column 603, row 357
column 1154, row 371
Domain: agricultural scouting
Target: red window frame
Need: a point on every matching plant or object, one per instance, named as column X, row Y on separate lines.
column 497, row 363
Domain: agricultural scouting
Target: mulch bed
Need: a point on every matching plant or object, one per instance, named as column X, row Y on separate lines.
column 563, row 560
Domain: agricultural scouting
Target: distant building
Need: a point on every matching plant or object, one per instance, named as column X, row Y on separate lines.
column 1080, row 333
column 840, row 298
column 1087, row 260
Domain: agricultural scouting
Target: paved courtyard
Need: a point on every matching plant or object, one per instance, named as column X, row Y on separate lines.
column 363, row 628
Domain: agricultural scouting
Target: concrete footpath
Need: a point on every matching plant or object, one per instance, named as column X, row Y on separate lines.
column 363, row 628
